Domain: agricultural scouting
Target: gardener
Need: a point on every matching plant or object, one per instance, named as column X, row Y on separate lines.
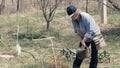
column 86, row 28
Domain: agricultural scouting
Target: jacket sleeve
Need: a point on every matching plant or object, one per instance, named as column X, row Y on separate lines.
column 90, row 27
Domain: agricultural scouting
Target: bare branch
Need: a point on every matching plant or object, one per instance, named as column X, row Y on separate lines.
column 108, row 5
column 114, row 5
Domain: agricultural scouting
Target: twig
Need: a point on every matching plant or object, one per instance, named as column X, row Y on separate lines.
column 53, row 52
column 49, row 38
column 7, row 56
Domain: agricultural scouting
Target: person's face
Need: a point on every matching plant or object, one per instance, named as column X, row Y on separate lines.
column 75, row 16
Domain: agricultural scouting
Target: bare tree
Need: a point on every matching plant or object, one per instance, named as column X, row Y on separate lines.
column 48, row 8
column 2, row 6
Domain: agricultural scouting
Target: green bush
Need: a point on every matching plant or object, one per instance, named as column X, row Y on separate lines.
column 37, row 35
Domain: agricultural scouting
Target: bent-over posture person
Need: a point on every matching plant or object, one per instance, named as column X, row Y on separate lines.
column 86, row 28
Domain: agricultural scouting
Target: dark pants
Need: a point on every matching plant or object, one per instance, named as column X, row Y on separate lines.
column 94, row 57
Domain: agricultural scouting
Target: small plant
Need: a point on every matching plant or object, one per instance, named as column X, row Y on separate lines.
column 37, row 35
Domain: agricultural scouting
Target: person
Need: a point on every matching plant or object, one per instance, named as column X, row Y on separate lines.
column 86, row 28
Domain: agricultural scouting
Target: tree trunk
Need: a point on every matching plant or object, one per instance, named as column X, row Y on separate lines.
column 48, row 25
column 18, row 6
column 12, row 2
column 87, row 6
column 34, row 3
column 2, row 6
column 104, row 12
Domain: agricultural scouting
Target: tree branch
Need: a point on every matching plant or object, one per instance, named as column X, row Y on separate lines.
column 107, row 5
column 114, row 5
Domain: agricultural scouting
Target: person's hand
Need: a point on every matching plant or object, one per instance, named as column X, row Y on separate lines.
column 83, row 44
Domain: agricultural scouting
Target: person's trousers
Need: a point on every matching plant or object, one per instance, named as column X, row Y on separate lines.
column 94, row 57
